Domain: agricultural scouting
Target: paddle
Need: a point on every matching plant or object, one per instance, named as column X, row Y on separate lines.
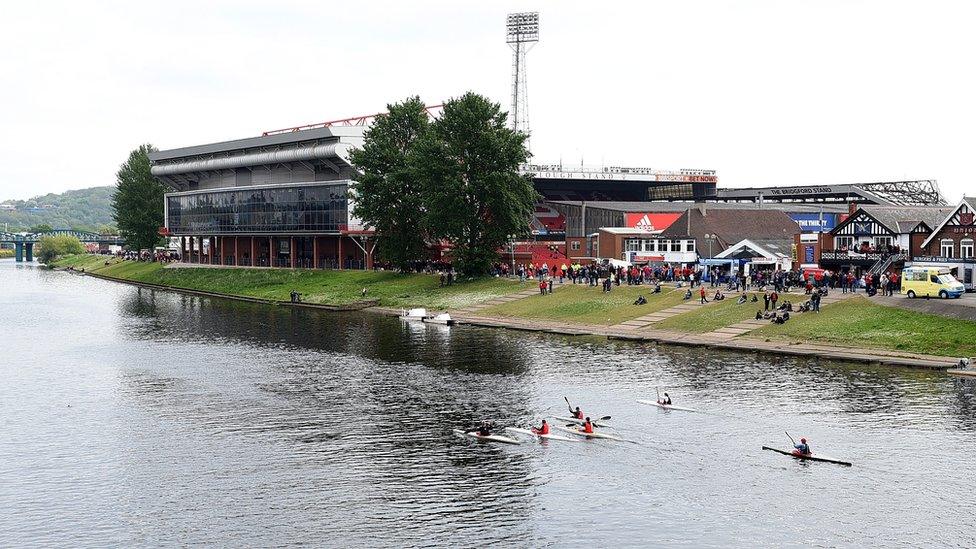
column 791, row 438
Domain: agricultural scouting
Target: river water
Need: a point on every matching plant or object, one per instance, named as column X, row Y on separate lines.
column 132, row 418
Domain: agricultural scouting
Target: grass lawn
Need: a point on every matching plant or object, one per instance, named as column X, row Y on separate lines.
column 331, row 287
column 587, row 305
column 713, row 317
column 856, row 322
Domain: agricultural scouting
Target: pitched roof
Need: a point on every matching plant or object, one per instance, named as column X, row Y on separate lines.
column 902, row 219
column 775, row 247
column 732, row 226
column 969, row 201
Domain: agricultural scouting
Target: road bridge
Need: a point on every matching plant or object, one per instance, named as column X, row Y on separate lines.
column 24, row 242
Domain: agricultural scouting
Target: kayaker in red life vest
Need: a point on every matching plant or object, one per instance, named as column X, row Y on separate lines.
column 587, row 426
column 802, row 448
column 544, row 430
column 578, row 414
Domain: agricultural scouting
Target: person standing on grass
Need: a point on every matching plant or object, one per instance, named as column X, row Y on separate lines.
column 701, row 292
column 773, row 298
column 766, row 301
column 550, row 285
column 815, row 302
column 542, row 287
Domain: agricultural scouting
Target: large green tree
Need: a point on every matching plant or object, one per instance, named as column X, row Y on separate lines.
column 474, row 194
column 53, row 247
column 138, row 201
column 387, row 194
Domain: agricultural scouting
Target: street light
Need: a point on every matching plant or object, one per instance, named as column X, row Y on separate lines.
column 511, row 247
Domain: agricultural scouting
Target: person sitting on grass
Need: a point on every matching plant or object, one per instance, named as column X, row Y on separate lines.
column 687, row 294
column 640, row 300
column 719, row 296
column 742, row 299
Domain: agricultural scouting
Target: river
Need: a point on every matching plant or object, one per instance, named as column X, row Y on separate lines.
column 132, row 418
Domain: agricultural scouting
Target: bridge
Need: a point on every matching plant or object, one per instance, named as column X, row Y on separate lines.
column 24, row 242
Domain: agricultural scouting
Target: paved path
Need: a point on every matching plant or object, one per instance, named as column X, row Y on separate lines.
column 651, row 318
column 746, row 326
column 963, row 308
column 504, row 299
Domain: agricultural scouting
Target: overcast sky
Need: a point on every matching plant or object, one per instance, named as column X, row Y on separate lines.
column 764, row 92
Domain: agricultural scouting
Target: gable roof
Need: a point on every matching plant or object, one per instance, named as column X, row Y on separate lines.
column 732, row 226
column 898, row 217
column 776, row 248
column 968, row 201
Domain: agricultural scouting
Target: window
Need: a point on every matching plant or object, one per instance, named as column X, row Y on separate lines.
column 574, row 245
column 632, row 245
column 946, row 248
column 691, row 245
column 966, row 248
column 843, row 242
column 881, row 242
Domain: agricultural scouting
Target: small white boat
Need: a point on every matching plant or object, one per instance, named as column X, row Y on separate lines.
column 418, row 314
column 550, row 436
column 594, row 434
column 666, row 406
column 489, row 438
column 443, row 318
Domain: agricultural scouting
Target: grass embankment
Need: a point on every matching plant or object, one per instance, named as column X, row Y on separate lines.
column 713, row 317
column 328, row 287
column 583, row 304
column 856, row 322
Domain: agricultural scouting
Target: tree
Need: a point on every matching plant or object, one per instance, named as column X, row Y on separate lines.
column 53, row 247
column 387, row 195
column 42, row 228
column 474, row 194
column 138, row 201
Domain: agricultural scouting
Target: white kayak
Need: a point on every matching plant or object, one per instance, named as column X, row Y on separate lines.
column 566, row 419
column 550, row 436
column 594, row 434
column 666, row 406
column 489, row 438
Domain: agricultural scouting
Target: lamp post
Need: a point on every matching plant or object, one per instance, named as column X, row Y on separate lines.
column 511, row 248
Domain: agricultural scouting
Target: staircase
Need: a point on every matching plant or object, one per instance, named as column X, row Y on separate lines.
column 884, row 264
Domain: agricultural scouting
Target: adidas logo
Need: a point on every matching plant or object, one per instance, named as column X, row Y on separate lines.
column 644, row 224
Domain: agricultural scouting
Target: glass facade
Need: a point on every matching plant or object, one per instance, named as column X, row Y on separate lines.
column 320, row 208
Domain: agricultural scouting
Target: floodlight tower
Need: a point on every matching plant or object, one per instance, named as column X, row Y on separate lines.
column 522, row 32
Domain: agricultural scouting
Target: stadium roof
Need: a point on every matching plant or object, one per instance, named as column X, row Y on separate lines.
column 923, row 192
column 794, row 207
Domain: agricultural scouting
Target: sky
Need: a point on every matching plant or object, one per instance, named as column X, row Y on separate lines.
column 764, row 92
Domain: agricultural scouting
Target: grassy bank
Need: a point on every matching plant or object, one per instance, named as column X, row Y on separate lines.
column 582, row 304
column 713, row 317
column 329, row 287
column 857, row 322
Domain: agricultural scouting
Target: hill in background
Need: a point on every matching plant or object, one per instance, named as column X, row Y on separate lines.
column 85, row 209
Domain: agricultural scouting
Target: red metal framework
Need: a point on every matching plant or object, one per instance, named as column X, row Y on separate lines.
column 354, row 121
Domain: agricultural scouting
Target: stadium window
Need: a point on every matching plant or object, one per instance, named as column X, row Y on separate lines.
column 946, row 247
column 691, row 245
column 966, row 248
column 574, row 245
column 842, row 242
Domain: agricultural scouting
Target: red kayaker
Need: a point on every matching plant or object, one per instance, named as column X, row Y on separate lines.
column 544, row 430
column 587, row 426
column 578, row 414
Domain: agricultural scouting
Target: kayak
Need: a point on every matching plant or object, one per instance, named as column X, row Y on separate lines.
column 810, row 457
column 594, row 434
column 489, row 438
column 666, row 406
column 550, row 436
column 579, row 421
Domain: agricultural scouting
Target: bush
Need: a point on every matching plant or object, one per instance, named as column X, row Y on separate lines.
column 50, row 248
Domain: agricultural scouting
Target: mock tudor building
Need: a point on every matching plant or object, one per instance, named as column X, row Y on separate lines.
column 875, row 238
column 951, row 243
